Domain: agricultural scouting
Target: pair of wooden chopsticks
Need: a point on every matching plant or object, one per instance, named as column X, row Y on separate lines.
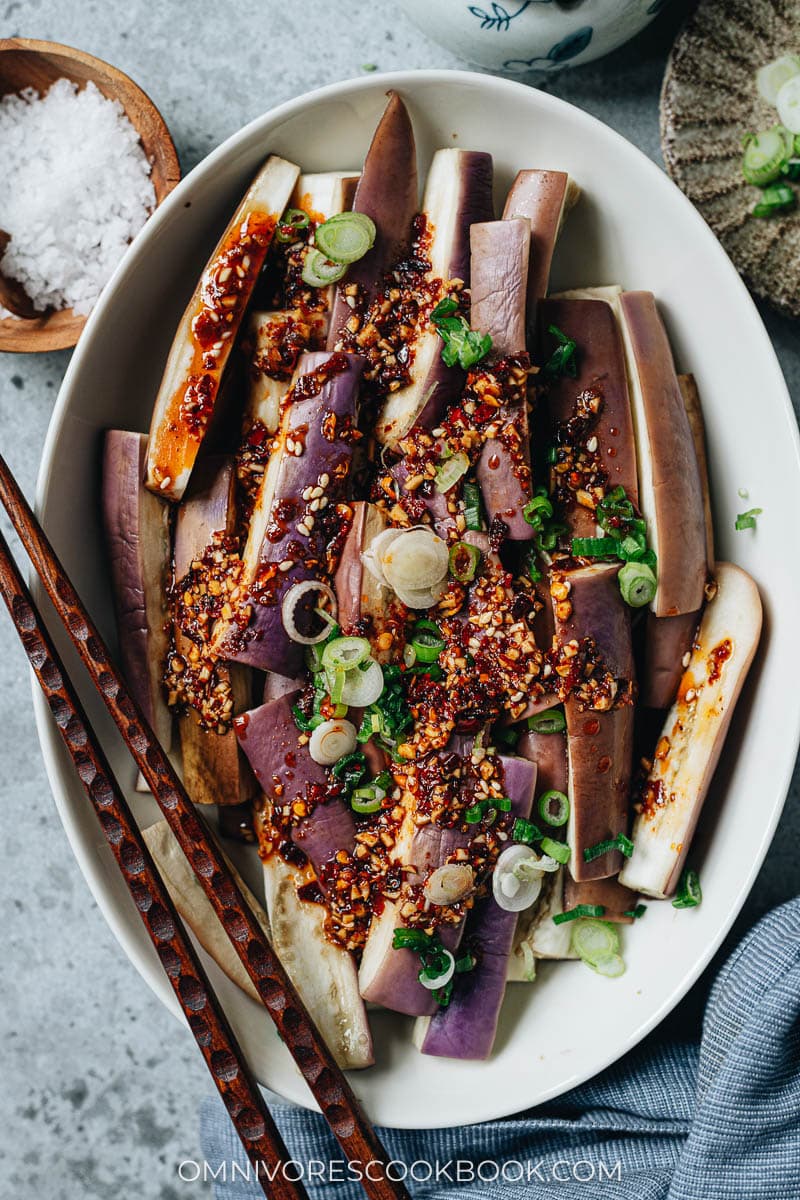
column 204, row 1014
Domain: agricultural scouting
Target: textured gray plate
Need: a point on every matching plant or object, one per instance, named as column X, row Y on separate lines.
column 708, row 102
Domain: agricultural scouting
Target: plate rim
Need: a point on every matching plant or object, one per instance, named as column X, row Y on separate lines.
column 47, row 735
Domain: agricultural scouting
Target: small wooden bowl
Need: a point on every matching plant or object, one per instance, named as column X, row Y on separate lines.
column 26, row 63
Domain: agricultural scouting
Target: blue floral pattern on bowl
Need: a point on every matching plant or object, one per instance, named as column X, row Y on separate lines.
column 519, row 36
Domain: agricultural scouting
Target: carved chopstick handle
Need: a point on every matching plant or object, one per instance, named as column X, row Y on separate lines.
column 203, row 1012
column 328, row 1085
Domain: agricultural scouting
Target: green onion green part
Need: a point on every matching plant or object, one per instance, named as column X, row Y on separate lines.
column 525, row 831
column 689, row 893
column 554, row 808
column 551, row 721
column 563, row 360
column 427, row 641
column 464, row 561
column 747, row 520
column 472, row 506
column 764, row 154
column 560, row 851
column 775, row 199
column 580, row 910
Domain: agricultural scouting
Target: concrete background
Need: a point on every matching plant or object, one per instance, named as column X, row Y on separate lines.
column 100, row 1086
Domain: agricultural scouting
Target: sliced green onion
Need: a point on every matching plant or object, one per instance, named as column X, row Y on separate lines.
column 763, row 155
column 474, row 814
column 611, row 967
column 318, row 271
column 367, row 800
column 554, row 808
column 637, row 584
column 465, row 963
column 290, row 224
column 777, row 198
column 787, row 103
column 344, row 653
column 464, row 561
column 551, row 455
column 443, row 995
column 346, row 237
column 537, row 509
column 747, row 520
column 773, row 75
column 637, row 912
column 689, row 893
column 596, row 547
column 437, row 970
column 790, row 169
column 594, row 940
column 472, row 506
column 427, row 641
column 560, row 851
column 502, row 803
column 411, row 939
column 525, row 832
column 551, row 721
column 580, row 910
column 450, row 471
column 620, row 842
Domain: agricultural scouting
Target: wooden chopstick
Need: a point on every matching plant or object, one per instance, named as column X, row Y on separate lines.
column 203, row 1011
column 328, row 1085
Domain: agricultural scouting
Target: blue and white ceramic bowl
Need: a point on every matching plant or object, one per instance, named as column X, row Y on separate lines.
column 516, row 36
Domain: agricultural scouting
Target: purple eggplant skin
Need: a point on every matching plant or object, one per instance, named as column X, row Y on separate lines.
column 672, row 499
column 499, row 273
column 269, row 737
column 610, row 894
column 316, row 424
column 214, row 769
column 667, row 641
column 466, row 1029
column 601, row 369
column 543, row 198
column 499, row 276
column 599, row 744
column 458, row 193
column 549, row 752
column 388, row 192
column 137, row 535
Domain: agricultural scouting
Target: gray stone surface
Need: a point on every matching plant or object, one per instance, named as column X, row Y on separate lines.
column 99, row 1085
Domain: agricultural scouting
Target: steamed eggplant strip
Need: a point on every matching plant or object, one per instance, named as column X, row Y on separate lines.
column 543, row 198
column 205, row 336
column 466, row 1028
column 590, row 414
column 137, row 535
column 214, row 770
column 693, row 734
column 324, row 974
column 500, row 252
column 301, row 496
column 388, row 193
column 276, row 339
column 600, row 726
column 671, row 496
column 458, row 193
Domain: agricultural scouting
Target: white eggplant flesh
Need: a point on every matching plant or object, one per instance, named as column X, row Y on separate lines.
column 190, row 386
column 195, row 908
column 325, row 975
column 537, row 934
column 694, row 734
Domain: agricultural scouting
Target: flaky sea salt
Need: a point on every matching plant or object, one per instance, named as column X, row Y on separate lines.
column 75, row 188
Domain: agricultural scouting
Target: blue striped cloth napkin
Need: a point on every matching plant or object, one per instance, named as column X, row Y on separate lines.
column 678, row 1121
